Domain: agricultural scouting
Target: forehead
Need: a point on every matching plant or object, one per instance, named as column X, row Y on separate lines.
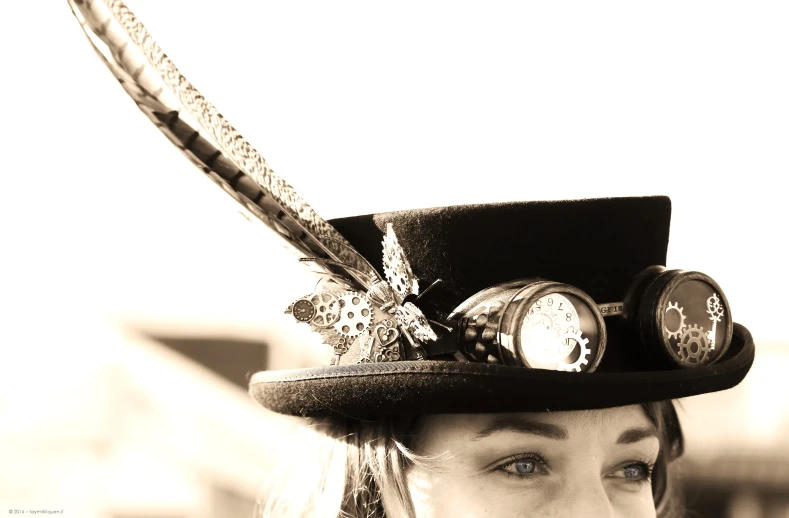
column 606, row 422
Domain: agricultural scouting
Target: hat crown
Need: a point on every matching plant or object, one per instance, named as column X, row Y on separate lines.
column 598, row 245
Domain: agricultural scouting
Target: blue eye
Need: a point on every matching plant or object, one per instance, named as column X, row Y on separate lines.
column 634, row 471
column 638, row 472
column 525, row 467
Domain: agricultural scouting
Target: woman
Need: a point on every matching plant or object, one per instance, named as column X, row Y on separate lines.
column 610, row 462
column 532, row 376
column 533, row 400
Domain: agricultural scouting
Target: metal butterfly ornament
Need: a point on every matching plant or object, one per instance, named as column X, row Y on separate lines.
column 374, row 319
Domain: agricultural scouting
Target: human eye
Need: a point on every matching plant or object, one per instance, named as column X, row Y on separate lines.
column 634, row 472
column 523, row 466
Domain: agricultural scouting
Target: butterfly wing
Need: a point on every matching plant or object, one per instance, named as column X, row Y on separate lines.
column 397, row 270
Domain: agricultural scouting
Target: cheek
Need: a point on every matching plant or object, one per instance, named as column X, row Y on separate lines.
column 439, row 495
column 638, row 505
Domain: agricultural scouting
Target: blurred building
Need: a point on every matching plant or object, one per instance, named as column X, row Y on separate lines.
column 139, row 430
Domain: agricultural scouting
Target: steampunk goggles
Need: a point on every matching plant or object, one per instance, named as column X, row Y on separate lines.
column 681, row 317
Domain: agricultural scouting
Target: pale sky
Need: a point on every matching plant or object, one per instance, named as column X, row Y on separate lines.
column 367, row 107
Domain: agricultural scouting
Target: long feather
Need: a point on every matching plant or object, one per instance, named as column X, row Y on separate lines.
column 197, row 128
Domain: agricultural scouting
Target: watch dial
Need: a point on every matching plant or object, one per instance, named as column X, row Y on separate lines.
column 303, row 310
column 548, row 330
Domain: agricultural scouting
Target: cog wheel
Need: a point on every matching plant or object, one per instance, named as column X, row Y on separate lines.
column 327, row 308
column 694, row 346
column 355, row 314
column 679, row 330
column 582, row 358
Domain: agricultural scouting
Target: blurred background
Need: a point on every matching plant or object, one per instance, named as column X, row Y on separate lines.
column 136, row 300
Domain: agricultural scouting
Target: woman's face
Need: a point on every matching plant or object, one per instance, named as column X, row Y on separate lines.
column 593, row 463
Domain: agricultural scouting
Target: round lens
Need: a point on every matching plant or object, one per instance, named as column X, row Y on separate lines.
column 560, row 330
column 548, row 332
column 696, row 324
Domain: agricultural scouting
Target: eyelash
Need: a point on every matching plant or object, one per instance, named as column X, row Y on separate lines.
column 534, row 457
column 538, row 458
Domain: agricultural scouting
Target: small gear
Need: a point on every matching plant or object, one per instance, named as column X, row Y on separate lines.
column 694, row 347
column 327, row 308
column 681, row 328
column 582, row 358
column 355, row 314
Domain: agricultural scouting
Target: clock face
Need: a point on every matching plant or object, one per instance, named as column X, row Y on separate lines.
column 546, row 330
column 303, row 310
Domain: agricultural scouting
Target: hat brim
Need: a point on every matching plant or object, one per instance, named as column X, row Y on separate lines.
column 408, row 388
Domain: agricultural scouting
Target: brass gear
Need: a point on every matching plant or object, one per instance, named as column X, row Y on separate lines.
column 355, row 314
column 679, row 330
column 694, row 347
column 582, row 358
column 327, row 307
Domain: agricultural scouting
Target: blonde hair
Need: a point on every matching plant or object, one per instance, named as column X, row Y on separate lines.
column 350, row 468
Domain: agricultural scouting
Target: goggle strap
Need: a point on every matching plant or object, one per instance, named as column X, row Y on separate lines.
column 611, row 309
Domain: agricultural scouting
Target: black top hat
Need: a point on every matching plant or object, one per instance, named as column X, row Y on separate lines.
column 604, row 247
column 540, row 305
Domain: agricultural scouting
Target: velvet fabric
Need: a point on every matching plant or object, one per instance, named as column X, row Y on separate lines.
column 597, row 245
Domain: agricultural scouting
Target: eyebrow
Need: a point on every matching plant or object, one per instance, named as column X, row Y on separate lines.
column 634, row 435
column 514, row 424
column 556, row 432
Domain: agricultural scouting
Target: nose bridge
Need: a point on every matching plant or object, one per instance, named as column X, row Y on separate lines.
column 586, row 497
